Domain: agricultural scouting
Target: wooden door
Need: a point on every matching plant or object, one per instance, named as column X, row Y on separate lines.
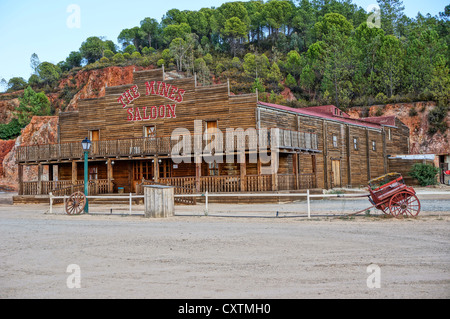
column 336, row 172
column 94, row 136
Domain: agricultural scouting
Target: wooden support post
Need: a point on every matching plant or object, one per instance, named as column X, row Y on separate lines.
column 155, row 169
column 274, row 162
column 295, row 163
column 39, row 184
column 74, row 172
column 198, row 174
column 20, row 178
column 243, row 171
column 109, row 174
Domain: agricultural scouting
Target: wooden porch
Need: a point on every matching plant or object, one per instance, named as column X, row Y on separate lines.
column 287, row 140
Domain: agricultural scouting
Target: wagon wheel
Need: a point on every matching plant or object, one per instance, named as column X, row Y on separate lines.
column 75, row 204
column 404, row 203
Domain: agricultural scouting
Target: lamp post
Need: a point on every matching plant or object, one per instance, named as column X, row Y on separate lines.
column 86, row 144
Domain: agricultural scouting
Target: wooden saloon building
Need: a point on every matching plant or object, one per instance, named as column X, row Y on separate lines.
column 132, row 126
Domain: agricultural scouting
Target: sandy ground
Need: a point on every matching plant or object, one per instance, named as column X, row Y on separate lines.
column 253, row 254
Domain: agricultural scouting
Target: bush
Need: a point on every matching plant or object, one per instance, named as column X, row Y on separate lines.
column 108, row 54
column 118, row 58
column 426, row 174
column 412, row 112
column 437, row 119
column 11, row 130
column 381, row 98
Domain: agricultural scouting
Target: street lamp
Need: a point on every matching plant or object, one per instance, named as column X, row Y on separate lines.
column 86, row 144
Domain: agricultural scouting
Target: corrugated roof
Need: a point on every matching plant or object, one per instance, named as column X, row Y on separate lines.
column 315, row 112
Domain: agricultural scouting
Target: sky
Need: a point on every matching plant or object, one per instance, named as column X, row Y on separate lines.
column 51, row 29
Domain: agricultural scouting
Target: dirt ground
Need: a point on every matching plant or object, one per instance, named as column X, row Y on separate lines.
column 252, row 254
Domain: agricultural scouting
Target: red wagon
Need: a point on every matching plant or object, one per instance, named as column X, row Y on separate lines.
column 389, row 194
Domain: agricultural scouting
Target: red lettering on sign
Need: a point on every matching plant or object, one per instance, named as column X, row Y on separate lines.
column 162, row 111
column 171, row 111
column 172, row 93
column 120, row 100
column 179, row 98
column 164, row 89
column 154, row 113
column 130, row 114
column 146, row 117
column 137, row 115
column 150, row 88
column 135, row 92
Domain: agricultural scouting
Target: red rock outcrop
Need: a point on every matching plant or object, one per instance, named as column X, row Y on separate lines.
column 41, row 130
column 7, row 107
column 420, row 141
column 92, row 83
column 5, row 148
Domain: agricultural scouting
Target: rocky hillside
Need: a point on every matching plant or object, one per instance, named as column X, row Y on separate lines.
column 92, row 83
column 415, row 116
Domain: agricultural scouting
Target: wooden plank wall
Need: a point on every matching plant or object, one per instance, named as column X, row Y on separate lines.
column 357, row 167
column 206, row 103
column 399, row 141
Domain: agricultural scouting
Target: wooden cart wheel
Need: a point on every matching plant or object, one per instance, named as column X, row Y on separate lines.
column 75, row 204
column 404, row 203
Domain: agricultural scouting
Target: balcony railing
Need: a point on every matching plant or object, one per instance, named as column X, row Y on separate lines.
column 184, row 145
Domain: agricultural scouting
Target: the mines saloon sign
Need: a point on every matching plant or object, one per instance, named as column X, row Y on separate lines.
column 147, row 113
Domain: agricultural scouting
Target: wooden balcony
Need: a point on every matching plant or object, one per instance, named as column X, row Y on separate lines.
column 144, row 147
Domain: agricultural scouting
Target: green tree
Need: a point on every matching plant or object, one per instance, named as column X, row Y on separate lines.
column 423, row 50
column 174, row 31
column 92, row 49
column 293, row 63
column 368, row 42
column 339, row 53
column 440, row 83
column 256, row 66
column 132, row 36
column 16, row 84
column 150, row 27
column 173, row 16
column 130, row 49
column 333, row 22
column 391, row 64
column 34, row 62
column 278, row 14
column 290, row 81
column 118, row 58
column 48, row 73
column 179, row 49
column 274, row 74
column 32, row 104
column 235, row 30
column 391, row 14
column 74, row 60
